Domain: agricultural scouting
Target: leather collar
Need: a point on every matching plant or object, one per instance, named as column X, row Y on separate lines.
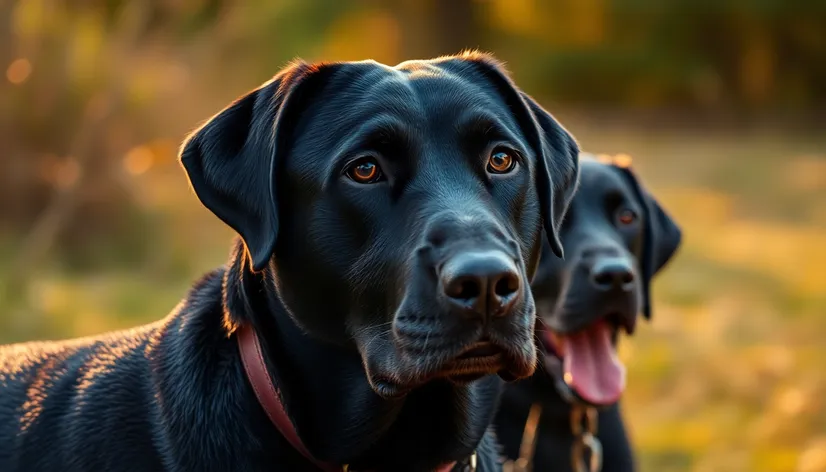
column 270, row 399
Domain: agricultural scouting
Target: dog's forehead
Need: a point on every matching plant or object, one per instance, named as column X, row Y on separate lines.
column 417, row 92
column 425, row 103
column 596, row 179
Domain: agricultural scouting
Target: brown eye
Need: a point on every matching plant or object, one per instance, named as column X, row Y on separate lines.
column 365, row 171
column 626, row 217
column 501, row 162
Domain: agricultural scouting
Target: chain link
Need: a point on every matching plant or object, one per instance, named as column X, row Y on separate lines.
column 524, row 463
column 586, row 451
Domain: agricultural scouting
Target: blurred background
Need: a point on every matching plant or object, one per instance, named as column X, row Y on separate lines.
column 721, row 104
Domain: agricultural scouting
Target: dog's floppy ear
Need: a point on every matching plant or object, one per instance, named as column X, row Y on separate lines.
column 661, row 237
column 232, row 159
column 560, row 158
column 557, row 151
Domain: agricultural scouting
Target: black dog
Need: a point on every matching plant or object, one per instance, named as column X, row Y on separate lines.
column 616, row 237
column 389, row 220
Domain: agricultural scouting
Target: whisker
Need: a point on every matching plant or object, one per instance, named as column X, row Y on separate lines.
column 377, row 336
column 366, row 329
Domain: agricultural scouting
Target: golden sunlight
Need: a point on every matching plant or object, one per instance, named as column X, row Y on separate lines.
column 19, row 70
column 138, row 160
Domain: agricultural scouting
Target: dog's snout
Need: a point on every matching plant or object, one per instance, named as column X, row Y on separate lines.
column 612, row 274
column 483, row 283
column 446, row 229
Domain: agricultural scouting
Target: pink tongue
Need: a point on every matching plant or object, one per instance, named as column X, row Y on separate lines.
column 591, row 365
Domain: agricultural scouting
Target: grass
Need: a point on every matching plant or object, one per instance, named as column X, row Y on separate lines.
column 730, row 374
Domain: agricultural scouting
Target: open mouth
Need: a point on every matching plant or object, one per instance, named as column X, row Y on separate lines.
column 479, row 359
column 590, row 365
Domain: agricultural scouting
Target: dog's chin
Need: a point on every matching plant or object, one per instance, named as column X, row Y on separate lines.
column 393, row 371
column 486, row 358
column 387, row 387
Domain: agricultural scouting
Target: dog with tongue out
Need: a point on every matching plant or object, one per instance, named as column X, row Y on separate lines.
column 616, row 237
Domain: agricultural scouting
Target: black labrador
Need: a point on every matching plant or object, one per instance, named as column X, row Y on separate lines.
column 616, row 237
column 389, row 218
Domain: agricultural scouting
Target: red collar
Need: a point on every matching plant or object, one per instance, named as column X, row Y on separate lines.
column 268, row 396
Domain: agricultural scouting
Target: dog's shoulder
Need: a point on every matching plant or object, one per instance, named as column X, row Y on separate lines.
column 21, row 360
column 24, row 362
column 45, row 386
column 66, row 390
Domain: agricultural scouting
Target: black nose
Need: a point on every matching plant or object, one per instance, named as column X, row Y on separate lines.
column 483, row 283
column 612, row 273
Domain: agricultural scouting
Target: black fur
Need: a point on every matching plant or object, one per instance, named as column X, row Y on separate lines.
column 342, row 281
column 567, row 302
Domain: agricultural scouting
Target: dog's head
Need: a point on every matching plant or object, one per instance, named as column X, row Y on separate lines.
column 616, row 237
column 398, row 210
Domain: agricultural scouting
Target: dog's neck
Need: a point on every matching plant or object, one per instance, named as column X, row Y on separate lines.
column 326, row 393
column 555, row 438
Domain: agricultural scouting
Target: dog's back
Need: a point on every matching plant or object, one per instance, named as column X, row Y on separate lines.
column 73, row 394
column 102, row 403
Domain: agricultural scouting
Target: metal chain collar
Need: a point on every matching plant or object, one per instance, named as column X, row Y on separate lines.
column 524, row 463
column 585, row 439
column 586, row 452
column 584, row 428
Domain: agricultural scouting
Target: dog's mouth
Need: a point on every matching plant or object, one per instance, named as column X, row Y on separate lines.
column 459, row 354
column 474, row 362
column 481, row 350
column 590, row 365
column 477, row 360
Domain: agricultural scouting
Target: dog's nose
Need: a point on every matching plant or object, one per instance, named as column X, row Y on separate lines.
column 612, row 273
column 483, row 283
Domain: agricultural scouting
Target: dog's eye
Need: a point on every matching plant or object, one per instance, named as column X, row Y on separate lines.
column 626, row 216
column 365, row 171
column 501, row 161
